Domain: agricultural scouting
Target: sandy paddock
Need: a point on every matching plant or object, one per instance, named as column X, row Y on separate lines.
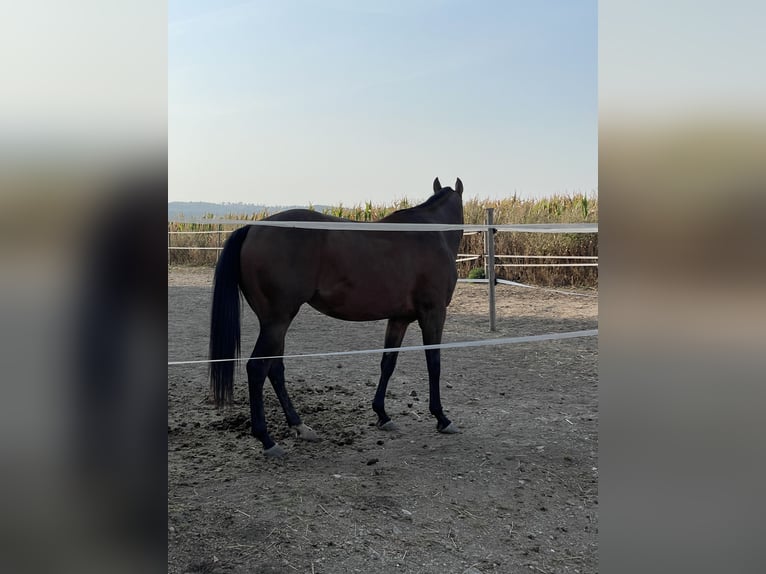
column 515, row 491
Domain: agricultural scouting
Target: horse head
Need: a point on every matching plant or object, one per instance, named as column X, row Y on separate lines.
column 449, row 201
column 458, row 186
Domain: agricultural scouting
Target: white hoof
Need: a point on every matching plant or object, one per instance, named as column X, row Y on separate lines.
column 388, row 426
column 305, row 432
column 450, row 429
column 275, row 451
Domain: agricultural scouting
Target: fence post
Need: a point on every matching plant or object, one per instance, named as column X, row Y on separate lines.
column 489, row 243
column 168, row 248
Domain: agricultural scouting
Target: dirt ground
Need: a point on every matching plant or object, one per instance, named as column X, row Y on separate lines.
column 514, row 491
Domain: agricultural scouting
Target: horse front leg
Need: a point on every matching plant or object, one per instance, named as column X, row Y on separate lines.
column 432, row 325
column 395, row 331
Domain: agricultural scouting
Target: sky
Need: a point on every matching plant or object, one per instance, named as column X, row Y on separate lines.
column 347, row 101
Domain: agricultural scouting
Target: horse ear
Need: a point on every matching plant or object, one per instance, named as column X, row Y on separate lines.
column 437, row 186
column 459, row 186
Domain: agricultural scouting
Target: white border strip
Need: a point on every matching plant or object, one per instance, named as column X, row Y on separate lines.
column 482, row 343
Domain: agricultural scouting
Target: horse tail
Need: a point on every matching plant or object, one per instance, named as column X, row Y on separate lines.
column 224, row 321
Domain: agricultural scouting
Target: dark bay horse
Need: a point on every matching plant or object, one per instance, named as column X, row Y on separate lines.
column 350, row 275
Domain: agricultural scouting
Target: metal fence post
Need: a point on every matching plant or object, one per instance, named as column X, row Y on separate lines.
column 489, row 242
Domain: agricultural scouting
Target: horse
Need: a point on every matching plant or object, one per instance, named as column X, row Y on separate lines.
column 346, row 274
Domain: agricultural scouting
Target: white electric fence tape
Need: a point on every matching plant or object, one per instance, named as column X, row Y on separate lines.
column 195, row 248
column 546, row 256
column 368, row 226
column 462, row 258
column 467, row 229
column 516, row 284
column 485, row 342
column 546, row 264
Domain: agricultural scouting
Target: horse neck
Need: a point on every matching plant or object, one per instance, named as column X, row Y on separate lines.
column 445, row 211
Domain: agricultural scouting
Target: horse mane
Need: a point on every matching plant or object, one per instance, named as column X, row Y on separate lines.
column 436, row 197
column 433, row 200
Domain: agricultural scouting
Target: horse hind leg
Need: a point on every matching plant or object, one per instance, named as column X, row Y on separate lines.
column 432, row 324
column 270, row 343
column 256, row 375
column 395, row 331
column 277, row 378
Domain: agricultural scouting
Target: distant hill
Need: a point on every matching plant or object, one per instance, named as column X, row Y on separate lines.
column 180, row 210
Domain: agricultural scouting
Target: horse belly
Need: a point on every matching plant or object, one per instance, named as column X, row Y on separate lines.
column 371, row 276
column 364, row 300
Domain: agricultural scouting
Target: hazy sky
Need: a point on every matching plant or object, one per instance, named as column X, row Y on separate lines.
column 333, row 101
column 661, row 60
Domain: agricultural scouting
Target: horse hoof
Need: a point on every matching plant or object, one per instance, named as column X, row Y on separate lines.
column 275, row 451
column 449, row 429
column 305, row 432
column 388, row 426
